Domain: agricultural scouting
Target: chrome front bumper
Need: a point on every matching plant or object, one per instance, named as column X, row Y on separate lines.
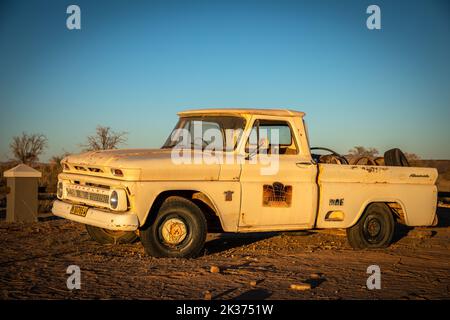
column 127, row 221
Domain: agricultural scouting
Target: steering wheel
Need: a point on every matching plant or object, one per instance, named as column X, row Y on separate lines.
column 333, row 157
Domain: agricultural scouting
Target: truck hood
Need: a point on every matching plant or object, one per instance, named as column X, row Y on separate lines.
column 140, row 164
column 117, row 158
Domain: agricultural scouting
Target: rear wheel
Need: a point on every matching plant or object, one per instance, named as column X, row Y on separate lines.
column 374, row 229
column 178, row 231
column 105, row 236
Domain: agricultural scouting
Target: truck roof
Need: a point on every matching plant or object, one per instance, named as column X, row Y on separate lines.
column 225, row 111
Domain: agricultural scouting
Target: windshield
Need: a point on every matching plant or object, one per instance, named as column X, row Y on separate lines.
column 221, row 133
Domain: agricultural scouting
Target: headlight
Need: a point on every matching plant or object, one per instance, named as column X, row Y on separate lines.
column 114, row 199
column 59, row 190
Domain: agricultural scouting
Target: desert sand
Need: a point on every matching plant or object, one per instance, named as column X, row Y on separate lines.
column 34, row 259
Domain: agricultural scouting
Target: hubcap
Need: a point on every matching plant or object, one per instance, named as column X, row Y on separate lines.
column 173, row 231
column 373, row 227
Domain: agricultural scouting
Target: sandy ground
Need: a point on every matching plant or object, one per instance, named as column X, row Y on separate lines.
column 34, row 259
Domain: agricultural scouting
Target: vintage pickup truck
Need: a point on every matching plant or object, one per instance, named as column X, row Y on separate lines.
column 260, row 175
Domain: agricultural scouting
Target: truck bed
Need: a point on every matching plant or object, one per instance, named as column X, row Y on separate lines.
column 349, row 188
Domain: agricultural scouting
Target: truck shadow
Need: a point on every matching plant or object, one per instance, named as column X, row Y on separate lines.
column 226, row 241
column 402, row 231
column 444, row 217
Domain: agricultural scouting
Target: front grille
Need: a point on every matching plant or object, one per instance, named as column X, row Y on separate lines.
column 104, row 198
column 91, row 169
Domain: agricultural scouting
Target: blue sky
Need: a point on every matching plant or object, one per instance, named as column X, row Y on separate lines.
column 133, row 65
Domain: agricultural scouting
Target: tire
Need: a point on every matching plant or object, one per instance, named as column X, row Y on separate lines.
column 374, row 229
column 178, row 231
column 379, row 161
column 105, row 236
column 395, row 157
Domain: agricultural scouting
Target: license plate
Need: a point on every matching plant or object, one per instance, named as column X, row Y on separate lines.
column 79, row 210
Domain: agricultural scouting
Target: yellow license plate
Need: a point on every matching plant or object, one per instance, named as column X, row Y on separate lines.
column 79, row 210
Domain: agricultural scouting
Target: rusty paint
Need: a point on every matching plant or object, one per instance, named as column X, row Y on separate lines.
column 203, row 198
column 370, row 169
column 242, row 218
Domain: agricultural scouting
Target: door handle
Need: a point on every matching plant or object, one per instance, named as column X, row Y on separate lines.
column 304, row 163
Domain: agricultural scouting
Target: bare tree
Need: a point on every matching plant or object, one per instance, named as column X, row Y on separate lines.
column 28, row 147
column 105, row 139
column 411, row 156
column 49, row 179
column 361, row 151
column 55, row 161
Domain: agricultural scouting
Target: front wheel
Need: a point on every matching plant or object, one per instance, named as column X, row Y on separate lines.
column 374, row 229
column 178, row 231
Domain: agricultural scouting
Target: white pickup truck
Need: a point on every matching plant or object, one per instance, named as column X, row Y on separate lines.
column 237, row 170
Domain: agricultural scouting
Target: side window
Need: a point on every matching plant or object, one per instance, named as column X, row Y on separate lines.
column 269, row 136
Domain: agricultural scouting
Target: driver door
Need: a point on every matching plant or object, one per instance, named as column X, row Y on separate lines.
column 284, row 198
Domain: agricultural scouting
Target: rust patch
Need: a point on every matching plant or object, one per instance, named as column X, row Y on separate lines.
column 398, row 211
column 202, row 197
column 370, row 169
column 242, row 218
